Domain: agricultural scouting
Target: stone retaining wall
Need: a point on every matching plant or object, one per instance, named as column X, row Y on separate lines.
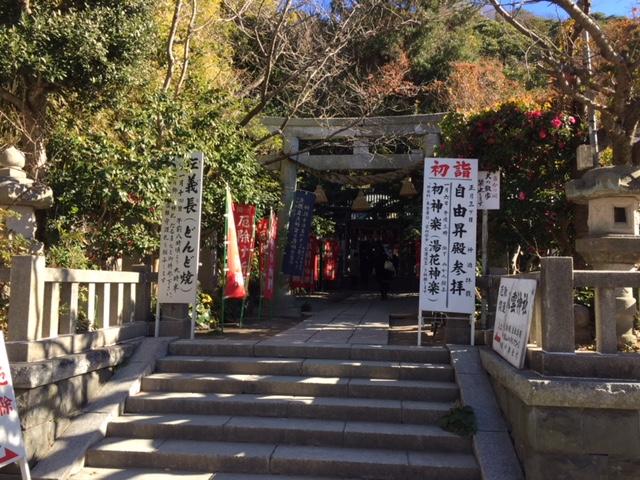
column 565, row 428
column 51, row 392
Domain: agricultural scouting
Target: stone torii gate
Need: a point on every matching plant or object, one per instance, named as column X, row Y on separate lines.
column 355, row 133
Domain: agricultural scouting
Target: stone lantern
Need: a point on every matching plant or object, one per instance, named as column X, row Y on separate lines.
column 612, row 195
column 21, row 194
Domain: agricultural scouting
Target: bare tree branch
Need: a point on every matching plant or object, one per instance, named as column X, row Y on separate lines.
column 187, row 45
column 171, row 59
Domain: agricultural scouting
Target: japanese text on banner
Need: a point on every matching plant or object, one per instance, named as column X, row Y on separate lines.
column 448, row 248
column 180, row 234
column 244, row 217
column 489, row 190
column 268, row 238
column 514, row 311
column 298, row 233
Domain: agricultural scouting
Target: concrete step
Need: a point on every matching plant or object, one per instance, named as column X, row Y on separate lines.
column 328, row 408
column 154, row 474
column 289, row 431
column 137, row 474
column 307, row 367
column 341, row 351
column 267, row 458
column 302, row 386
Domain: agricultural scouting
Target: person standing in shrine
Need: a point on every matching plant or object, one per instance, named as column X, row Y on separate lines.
column 384, row 270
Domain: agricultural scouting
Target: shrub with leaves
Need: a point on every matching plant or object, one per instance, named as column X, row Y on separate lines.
column 534, row 147
column 459, row 420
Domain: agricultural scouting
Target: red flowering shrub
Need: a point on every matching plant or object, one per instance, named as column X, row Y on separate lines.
column 534, row 147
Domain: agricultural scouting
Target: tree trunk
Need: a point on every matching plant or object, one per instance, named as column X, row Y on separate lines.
column 34, row 139
column 621, row 147
column 635, row 153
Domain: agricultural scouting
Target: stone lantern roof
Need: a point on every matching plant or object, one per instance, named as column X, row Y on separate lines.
column 605, row 182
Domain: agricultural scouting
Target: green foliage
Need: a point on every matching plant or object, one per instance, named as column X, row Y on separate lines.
column 534, row 147
column 459, row 420
column 111, row 178
column 69, row 251
column 11, row 243
column 204, row 318
column 501, row 41
column 72, row 47
column 442, row 37
column 323, row 227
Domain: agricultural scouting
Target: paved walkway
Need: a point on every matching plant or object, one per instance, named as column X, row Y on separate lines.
column 359, row 319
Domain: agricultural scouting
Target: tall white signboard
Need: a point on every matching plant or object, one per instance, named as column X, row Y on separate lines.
column 489, row 190
column 513, row 318
column 448, row 249
column 11, row 441
column 180, row 235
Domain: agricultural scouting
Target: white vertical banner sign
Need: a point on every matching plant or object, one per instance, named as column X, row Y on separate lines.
column 488, row 199
column 11, row 442
column 513, row 318
column 180, row 237
column 448, row 249
column 489, row 190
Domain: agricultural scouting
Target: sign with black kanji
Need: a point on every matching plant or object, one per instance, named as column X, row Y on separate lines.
column 448, row 247
column 180, row 234
column 514, row 311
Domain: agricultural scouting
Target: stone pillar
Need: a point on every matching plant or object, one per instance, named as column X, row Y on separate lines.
column 429, row 143
column 21, row 195
column 174, row 320
column 284, row 302
column 612, row 196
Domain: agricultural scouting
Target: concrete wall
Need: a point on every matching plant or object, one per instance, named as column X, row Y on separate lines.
column 568, row 429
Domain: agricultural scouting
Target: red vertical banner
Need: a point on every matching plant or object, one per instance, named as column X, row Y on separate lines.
column 262, row 231
column 234, row 280
column 331, row 255
column 244, row 217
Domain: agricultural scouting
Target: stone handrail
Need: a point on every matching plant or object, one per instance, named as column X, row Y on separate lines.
column 553, row 327
column 47, row 303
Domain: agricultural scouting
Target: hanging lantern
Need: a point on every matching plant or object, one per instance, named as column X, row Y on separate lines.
column 360, row 203
column 321, row 197
column 407, row 189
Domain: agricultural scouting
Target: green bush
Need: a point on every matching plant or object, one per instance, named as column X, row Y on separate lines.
column 534, row 147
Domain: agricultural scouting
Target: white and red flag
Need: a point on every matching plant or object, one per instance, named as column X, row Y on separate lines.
column 234, row 286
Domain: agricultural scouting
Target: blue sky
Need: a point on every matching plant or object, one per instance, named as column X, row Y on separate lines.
column 609, row 7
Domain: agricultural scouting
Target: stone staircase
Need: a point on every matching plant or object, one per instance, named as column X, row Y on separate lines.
column 287, row 412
